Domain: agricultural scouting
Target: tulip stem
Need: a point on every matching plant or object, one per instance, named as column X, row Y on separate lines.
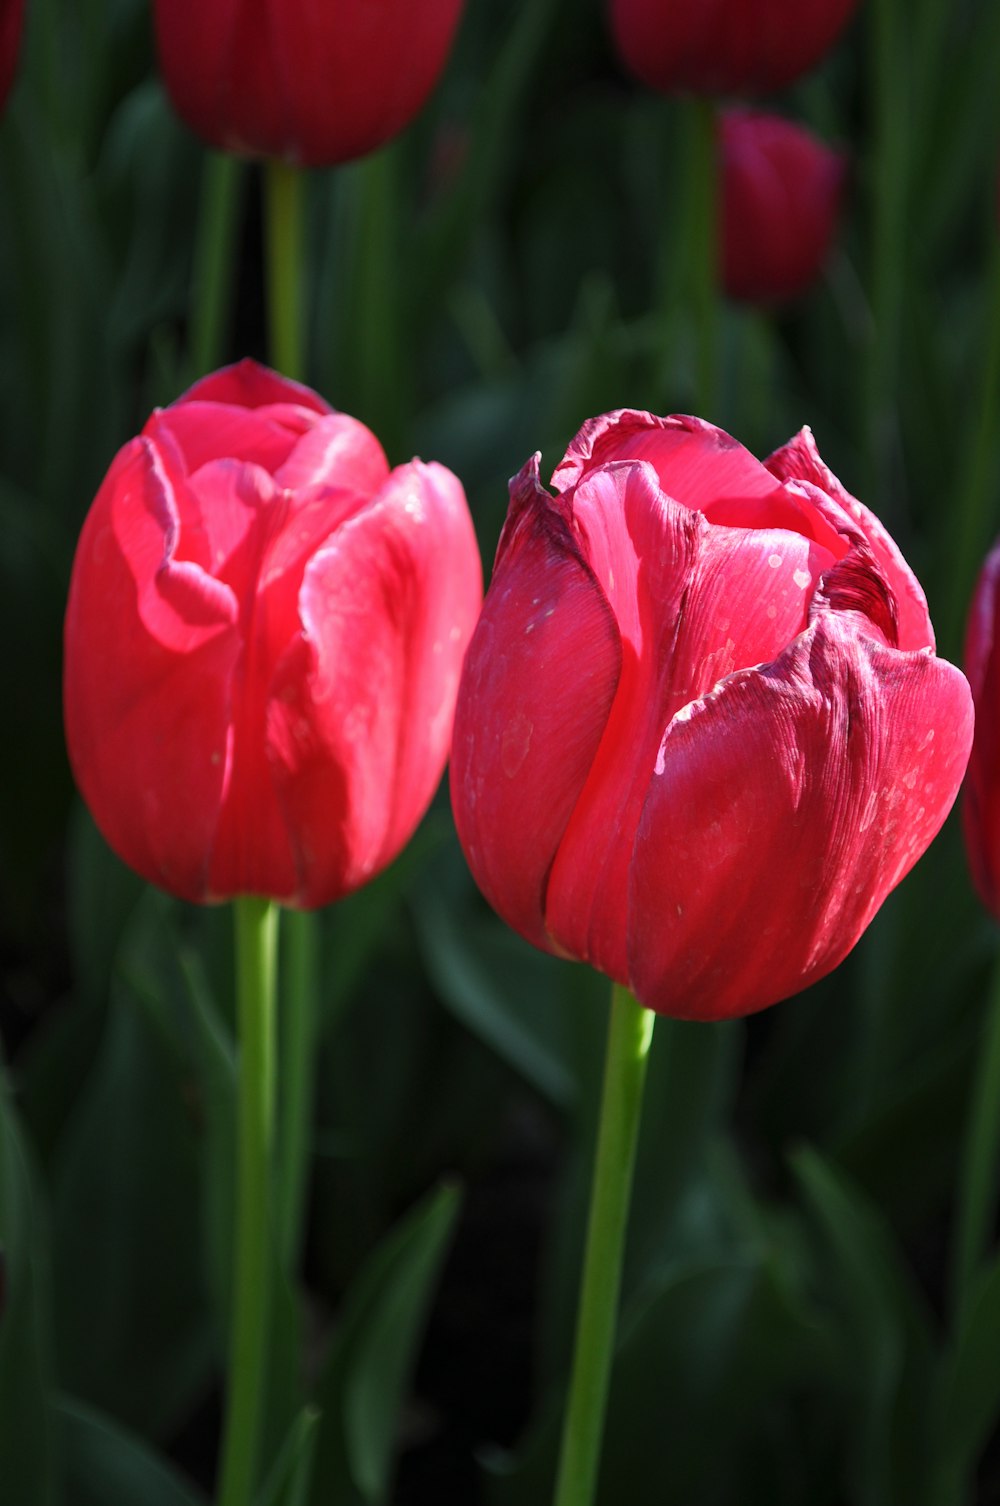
column 298, row 1041
column 980, row 1163
column 284, row 195
column 889, row 259
column 630, row 1032
column 256, row 958
column 704, row 233
column 214, row 258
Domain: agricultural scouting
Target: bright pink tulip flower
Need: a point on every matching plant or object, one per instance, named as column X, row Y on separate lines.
column 725, row 46
column 701, row 731
column 11, row 24
column 781, row 190
column 981, row 796
column 263, row 643
column 315, row 83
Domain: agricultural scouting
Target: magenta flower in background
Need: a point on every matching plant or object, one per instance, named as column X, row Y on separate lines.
column 781, row 192
column 701, row 731
column 317, row 84
column 11, row 26
column 263, row 642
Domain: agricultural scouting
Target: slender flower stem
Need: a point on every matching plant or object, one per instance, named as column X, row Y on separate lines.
column 704, row 245
column 980, row 1165
column 630, row 1031
column 221, row 199
column 256, row 958
column 284, row 195
column 295, row 1103
column 889, row 199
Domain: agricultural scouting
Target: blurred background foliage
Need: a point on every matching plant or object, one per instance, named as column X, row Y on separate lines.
column 515, row 263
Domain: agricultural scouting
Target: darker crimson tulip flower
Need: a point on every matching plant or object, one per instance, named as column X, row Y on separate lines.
column 263, row 642
column 981, row 796
column 701, row 731
column 781, row 191
column 11, row 24
column 725, row 46
column 315, row 83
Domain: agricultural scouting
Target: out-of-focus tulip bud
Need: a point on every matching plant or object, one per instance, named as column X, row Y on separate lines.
column 781, row 190
column 11, row 23
column 316, row 84
column 725, row 46
column 701, row 731
column 263, row 641
column 981, row 796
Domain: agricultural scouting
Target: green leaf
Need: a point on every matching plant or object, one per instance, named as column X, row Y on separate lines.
column 373, row 1355
column 504, row 992
column 969, row 1402
column 886, row 1357
column 289, row 1479
column 105, row 1465
column 26, row 1442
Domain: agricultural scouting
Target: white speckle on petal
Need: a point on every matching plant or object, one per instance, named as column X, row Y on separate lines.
column 774, row 560
column 801, row 579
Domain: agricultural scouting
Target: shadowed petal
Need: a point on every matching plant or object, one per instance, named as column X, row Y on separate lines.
column 539, row 680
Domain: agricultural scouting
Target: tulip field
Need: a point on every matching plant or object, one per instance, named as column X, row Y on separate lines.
column 500, row 802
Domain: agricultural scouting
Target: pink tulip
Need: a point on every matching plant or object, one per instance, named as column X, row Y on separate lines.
column 781, row 190
column 981, row 800
column 11, row 24
column 725, row 46
column 701, row 731
column 263, row 641
column 315, row 83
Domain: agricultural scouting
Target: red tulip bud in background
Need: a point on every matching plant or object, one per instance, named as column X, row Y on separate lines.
column 981, row 797
column 315, row 83
column 11, row 23
column 263, row 642
column 781, row 190
column 725, row 46
column 701, row 731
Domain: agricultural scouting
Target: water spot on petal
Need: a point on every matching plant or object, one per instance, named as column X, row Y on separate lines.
column 516, row 742
column 774, row 560
column 802, row 579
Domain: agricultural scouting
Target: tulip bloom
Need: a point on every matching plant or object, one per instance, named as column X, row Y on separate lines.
column 781, row 190
column 263, row 641
column 981, row 800
column 701, row 731
column 725, row 46
column 315, row 83
column 11, row 23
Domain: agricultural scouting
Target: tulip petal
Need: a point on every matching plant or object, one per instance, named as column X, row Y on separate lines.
column 248, row 384
column 149, row 743
column 799, row 460
column 783, row 809
column 692, row 603
column 200, row 432
column 359, row 711
column 538, row 684
column 338, row 451
column 981, row 797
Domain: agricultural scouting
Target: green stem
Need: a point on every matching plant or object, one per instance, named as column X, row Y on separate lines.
column 284, row 196
column 975, row 517
column 298, row 1042
column 689, row 273
column 223, row 177
column 888, row 200
column 980, row 1164
column 256, row 957
column 630, row 1031
column 376, row 352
